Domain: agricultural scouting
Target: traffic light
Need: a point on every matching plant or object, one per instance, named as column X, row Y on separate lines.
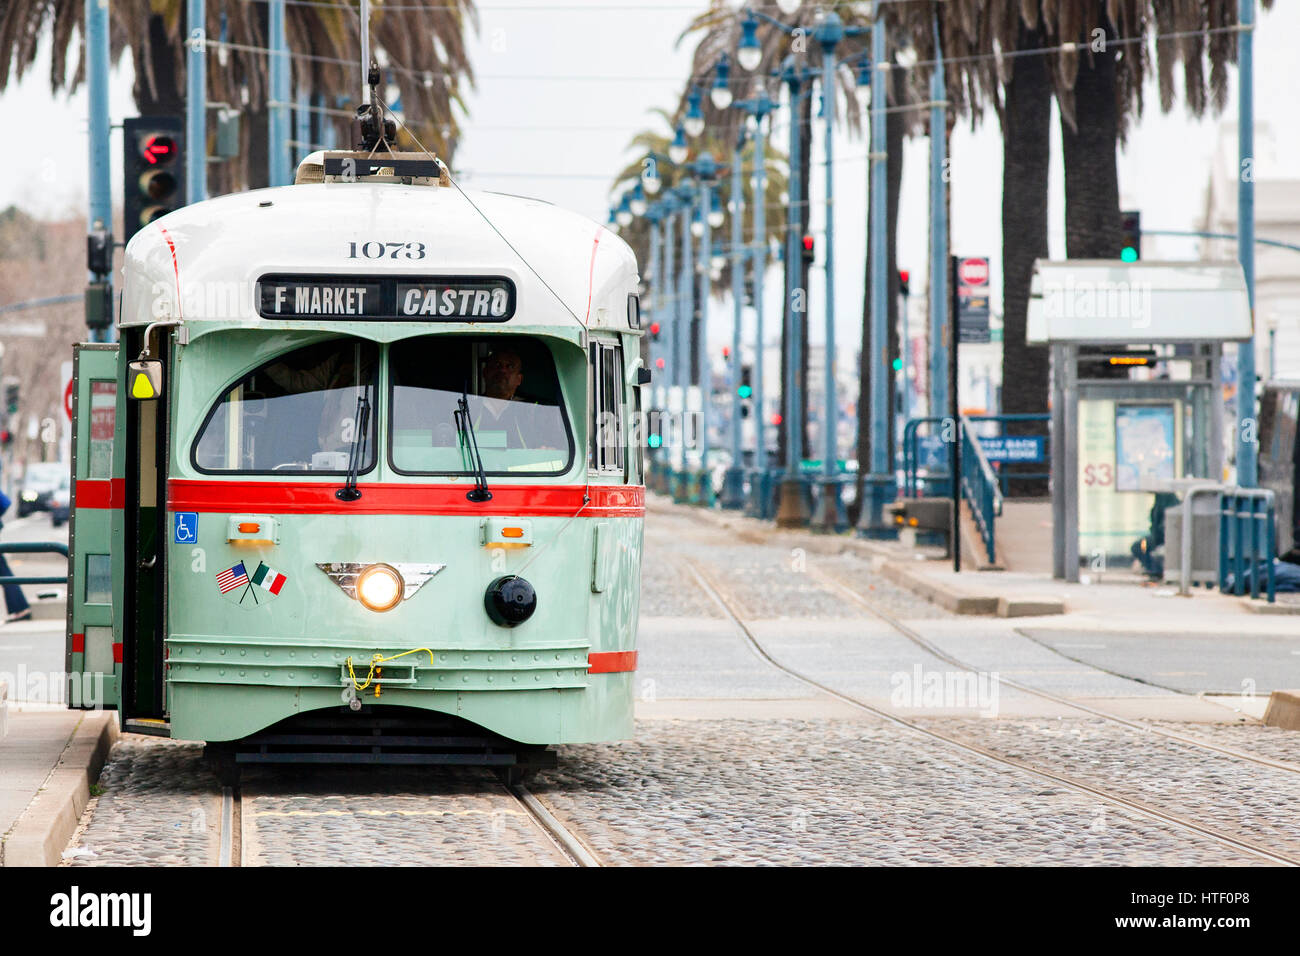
column 11, row 397
column 808, row 249
column 745, row 389
column 654, row 331
column 659, row 363
column 153, row 170
column 1130, row 249
column 904, row 280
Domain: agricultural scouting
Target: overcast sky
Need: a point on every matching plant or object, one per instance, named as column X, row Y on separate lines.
column 563, row 86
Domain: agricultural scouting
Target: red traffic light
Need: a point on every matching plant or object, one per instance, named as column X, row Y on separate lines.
column 726, row 351
column 807, row 243
column 776, row 418
column 157, row 149
column 654, row 328
column 659, row 363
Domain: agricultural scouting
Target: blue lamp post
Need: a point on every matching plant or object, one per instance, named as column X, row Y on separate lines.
column 759, row 106
column 829, row 517
column 879, row 481
column 685, row 193
column 708, row 215
column 733, row 483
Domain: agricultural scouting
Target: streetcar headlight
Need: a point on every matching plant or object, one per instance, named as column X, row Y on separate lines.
column 510, row 600
column 380, row 587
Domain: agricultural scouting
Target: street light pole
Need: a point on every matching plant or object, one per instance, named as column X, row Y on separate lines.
column 1247, row 427
column 830, row 31
column 101, row 189
column 196, row 89
column 669, row 325
column 685, row 314
column 733, row 484
column 705, row 169
column 938, row 234
column 759, row 106
column 278, row 113
column 878, row 481
column 793, row 510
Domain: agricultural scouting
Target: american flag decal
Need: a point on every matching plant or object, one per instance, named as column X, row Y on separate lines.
column 232, row 578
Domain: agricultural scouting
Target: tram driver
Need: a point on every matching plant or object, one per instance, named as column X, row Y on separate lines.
column 502, row 409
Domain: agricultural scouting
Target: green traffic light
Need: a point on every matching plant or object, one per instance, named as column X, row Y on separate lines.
column 744, row 391
column 1129, row 254
column 898, row 365
column 655, row 441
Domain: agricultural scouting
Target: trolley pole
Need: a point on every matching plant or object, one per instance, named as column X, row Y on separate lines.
column 733, row 484
column 830, row 31
column 1247, row 426
column 278, row 113
column 878, row 481
column 196, row 104
column 793, row 510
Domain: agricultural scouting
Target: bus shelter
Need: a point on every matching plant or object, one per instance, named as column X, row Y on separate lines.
column 1137, row 394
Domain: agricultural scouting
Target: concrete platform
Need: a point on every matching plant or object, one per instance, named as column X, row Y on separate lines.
column 1283, row 709
column 47, row 763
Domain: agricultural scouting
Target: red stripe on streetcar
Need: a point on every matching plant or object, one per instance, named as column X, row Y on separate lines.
column 282, row 497
column 591, row 273
column 100, row 493
column 117, row 653
column 176, row 267
column 611, row 662
column 78, row 643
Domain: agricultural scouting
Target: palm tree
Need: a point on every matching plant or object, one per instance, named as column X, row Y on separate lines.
column 423, row 42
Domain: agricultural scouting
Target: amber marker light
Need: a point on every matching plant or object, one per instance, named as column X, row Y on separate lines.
column 380, row 587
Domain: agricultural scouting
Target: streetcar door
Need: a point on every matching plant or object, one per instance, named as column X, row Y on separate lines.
column 95, row 531
column 145, row 419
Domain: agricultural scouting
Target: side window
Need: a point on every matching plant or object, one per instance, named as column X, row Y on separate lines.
column 605, row 454
column 299, row 412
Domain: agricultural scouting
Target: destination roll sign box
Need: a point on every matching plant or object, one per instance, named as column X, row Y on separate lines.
column 391, row 298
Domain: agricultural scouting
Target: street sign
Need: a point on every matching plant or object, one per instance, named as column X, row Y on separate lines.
column 973, row 299
column 973, row 271
column 1026, row 448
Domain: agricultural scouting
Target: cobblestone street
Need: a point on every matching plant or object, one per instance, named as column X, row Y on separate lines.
column 737, row 761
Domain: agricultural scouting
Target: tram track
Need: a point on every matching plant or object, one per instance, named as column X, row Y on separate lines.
column 709, row 585
column 230, row 852
column 832, row 582
column 565, row 841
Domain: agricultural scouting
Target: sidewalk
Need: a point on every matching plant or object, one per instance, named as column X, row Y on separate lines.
column 48, row 760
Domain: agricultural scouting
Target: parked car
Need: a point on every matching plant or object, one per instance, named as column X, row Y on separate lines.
column 40, row 479
column 61, row 501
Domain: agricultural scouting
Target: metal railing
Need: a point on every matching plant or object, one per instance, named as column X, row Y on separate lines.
column 33, row 547
column 979, row 485
column 1246, row 541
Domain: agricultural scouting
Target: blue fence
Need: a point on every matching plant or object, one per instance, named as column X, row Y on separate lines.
column 1246, row 542
column 34, row 547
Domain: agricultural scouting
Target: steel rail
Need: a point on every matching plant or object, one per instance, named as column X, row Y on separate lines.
column 1138, row 725
column 1155, row 813
column 564, row 839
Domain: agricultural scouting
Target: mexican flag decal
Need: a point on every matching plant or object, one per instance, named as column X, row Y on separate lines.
column 268, row 578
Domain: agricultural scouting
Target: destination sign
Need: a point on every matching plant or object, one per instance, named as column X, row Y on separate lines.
column 396, row 298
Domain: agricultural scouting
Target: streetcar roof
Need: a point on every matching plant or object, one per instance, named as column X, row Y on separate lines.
column 569, row 272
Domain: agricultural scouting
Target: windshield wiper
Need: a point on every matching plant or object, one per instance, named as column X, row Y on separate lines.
column 350, row 491
column 465, row 428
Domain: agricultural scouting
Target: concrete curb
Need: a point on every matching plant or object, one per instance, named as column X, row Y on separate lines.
column 1283, row 709
column 950, row 597
column 43, row 830
column 1263, row 607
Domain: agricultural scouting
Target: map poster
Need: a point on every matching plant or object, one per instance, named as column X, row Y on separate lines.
column 1145, row 444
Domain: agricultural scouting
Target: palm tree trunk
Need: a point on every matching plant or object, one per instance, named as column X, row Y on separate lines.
column 893, row 187
column 1026, row 152
column 1092, row 214
column 157, row 60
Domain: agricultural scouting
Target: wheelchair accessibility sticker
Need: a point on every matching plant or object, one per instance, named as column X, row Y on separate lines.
column 185, row 527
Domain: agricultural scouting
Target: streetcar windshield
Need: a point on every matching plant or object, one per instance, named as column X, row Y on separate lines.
column 514, row 400
column 295, row 413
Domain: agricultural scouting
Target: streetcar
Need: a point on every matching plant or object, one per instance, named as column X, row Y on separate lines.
column 361, row 479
